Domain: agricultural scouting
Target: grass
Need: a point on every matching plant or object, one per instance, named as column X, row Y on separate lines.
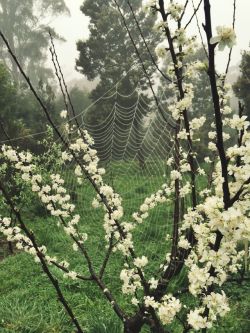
column 28, row 303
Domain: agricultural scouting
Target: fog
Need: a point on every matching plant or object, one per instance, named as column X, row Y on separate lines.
column 72, row 28
column 75, row 27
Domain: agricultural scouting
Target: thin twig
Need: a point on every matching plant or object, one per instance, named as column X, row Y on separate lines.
column 63, row 80
column 106, row 258
column 194, row 14
column 231, row 49
column 184, row 10
column 199, row 30
column 146, row 44
column 60, row 83
column 143, row 66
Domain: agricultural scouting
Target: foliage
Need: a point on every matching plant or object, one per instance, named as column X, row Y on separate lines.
column 24, row 24
column 80, row 100
column 108, row 53
column 8, row 101
column 20, row 115
column 242, row 86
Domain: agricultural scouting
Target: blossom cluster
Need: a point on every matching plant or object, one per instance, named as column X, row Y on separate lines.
column 166, row 309
column 151, row 202
column 131, row 281
column 51, row 192
column 175, row 9
column 22, row 242
column 13, row 234
column 208, row 265
column 82, row 150
column 148, row 5
column 217, row 304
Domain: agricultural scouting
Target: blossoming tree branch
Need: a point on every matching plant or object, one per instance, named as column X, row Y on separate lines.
column 205, row 233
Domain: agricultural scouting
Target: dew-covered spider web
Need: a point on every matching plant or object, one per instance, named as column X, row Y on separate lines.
column 133, row 143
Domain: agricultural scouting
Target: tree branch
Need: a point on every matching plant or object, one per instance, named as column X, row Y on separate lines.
column 231, row 49
column 216, row 103
column 193, row 15
column 146, row 44
column 61, row 79
column 143, row 66
column 45, row 268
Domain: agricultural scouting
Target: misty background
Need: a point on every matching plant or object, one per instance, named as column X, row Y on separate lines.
column 75, row 26
column 90, row 35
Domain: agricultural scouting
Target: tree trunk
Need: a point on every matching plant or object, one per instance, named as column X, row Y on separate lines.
column 134, row 324
column 129, row 330
column 10, row 247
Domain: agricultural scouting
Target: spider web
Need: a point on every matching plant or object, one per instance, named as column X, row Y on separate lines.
column 133, row 144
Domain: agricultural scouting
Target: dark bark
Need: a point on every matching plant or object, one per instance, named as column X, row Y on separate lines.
column 177, row 197
column 216, row 103
column 134, row 324
column 10, row 247
column 177, row 255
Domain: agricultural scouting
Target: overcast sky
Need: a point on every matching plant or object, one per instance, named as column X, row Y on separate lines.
column 75, row 27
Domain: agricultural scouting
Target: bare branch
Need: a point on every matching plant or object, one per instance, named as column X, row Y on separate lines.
column 63, row 80
column 184, row 10
column 146, row 44
column 199, row 30
column 216, row 103
column 231, row 49
column 143, row 66
column 193, row 15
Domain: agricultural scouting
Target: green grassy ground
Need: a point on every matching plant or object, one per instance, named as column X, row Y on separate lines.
column 27, row 301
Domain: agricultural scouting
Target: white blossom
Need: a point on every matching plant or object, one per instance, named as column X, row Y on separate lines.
column 63, row 114
column 225, row 37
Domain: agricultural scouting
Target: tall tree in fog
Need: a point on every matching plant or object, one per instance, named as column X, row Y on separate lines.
column 25, row 24
column 20, row 115
column 108, row 53
column 242, row 86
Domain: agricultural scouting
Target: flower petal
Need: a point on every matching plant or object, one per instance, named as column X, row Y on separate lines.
column 214, row 40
